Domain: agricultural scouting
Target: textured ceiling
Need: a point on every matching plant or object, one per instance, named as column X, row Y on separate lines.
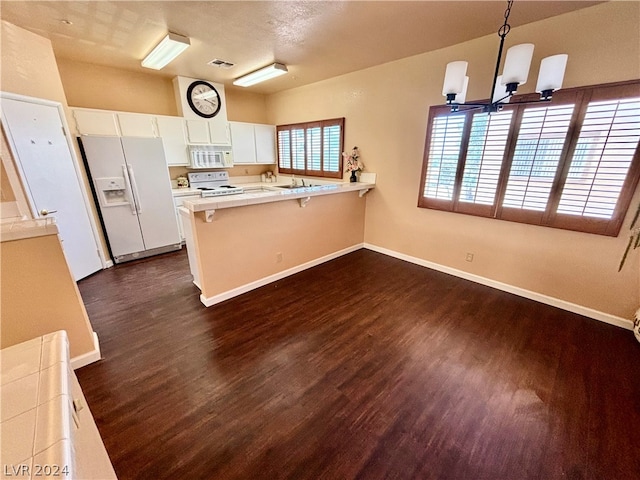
column 315, row 39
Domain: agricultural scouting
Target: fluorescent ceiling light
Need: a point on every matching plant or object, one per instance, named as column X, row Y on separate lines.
column 261, row 75
column 169, row 48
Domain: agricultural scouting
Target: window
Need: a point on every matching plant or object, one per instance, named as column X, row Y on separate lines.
column 572, row 163
column 313, row 148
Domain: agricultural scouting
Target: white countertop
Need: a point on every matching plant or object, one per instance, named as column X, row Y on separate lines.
column 184, row 192
column 17, row 230
column 256, row 193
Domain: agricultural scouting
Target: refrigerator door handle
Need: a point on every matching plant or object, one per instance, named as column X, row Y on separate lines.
column 134, row 187
column 129, row 190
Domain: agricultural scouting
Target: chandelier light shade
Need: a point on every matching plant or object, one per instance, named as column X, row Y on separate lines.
column 515, row 73
column 517, row 64
column 266, row 73
column 500, row 94
column 454, row 78
column 168, row 49
column 551, row 74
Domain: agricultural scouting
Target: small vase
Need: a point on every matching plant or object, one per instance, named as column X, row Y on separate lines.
column 353, row 177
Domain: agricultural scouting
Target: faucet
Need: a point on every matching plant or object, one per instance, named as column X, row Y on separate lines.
column 303, row 182
column 293, row 180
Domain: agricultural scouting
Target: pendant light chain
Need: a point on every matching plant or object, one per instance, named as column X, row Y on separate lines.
column 504, row 29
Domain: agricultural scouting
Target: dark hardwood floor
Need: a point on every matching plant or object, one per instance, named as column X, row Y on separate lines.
column 364, row 367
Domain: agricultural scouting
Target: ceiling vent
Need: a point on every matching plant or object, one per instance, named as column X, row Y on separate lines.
column 220, row 63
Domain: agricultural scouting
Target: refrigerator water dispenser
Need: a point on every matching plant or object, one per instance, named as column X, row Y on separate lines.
column 111, row 191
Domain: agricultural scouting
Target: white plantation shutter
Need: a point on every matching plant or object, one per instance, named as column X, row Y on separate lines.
column 444, row 153
column 314, row 148
column 332, row 153
column 571, row 163
column 606, row 146
column 541, row 139
column 284, row 149
column 297, row 149
column 487, row 143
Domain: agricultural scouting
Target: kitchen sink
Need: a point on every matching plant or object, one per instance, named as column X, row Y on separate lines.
column 296, row 186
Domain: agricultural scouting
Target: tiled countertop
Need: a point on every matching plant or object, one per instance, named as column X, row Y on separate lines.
column 269, row 192
column 20, row 229
column 37, row 409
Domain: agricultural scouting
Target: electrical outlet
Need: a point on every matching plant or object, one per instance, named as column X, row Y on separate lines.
column 279, row 257
column 469, row 257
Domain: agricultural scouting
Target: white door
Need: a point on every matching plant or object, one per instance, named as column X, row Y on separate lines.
column 50, row 179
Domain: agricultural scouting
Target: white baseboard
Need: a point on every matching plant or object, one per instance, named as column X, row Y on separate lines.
column 89, row 357
column 538, row 297
column 221, row 297
column 109, row 264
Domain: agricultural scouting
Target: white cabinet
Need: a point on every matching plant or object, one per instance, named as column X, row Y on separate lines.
column 243, row 143
column 253, row 143
column 178, row 200
column 204, row 132
column 265, row 143
column 137, row 125
column 197, row 131
column 95, row 122
column 172, row 132
column 219, row 133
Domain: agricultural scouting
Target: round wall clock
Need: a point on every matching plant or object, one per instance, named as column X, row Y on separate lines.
column 204, row 99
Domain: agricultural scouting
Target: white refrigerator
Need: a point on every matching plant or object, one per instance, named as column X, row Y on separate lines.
column 131, row 184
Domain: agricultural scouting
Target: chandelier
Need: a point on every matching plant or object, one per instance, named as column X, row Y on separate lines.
column 514, row 74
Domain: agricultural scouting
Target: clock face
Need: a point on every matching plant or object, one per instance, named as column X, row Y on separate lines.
column 203, row 99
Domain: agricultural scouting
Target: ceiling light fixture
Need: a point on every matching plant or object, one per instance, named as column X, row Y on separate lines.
column 261, row 75
column 514, row 74
column 169, row 48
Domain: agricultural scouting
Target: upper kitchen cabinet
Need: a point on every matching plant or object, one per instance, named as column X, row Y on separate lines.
column 172, row 132
column 243, row 142
column 206, row 132
column 219, row 133
column 265, row 143
column 253, row 143
column 95, row 122
column 114, row 124
column 137, row 125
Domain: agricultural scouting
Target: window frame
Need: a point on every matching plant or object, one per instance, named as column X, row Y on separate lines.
column 580, row 96
column 308, row 171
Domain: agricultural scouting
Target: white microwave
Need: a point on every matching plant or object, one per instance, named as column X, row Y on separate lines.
column 210, row 156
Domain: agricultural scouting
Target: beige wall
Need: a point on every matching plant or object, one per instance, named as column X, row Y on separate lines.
column 386, row 110
column 244, row 242
column 6, row 192
column 39, row 295
column 93, row 86
column 35, row 295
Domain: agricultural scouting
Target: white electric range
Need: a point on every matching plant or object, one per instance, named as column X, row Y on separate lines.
column 212, row 184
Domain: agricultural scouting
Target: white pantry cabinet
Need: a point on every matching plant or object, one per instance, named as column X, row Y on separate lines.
column 253, row 143
column 172, row 132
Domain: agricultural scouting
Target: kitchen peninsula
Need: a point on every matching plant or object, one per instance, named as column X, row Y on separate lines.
column 240, row 242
